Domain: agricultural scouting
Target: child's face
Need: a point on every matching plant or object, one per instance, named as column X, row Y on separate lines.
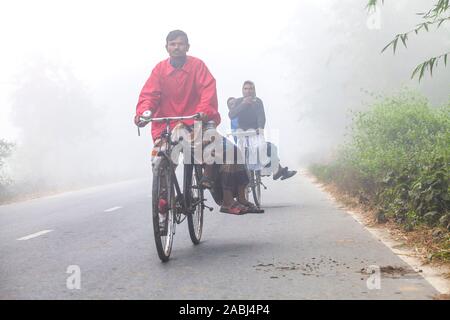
column 231, row 103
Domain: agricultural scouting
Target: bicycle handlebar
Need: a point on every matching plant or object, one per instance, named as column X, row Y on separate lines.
column 195, row 116
column 247, row 133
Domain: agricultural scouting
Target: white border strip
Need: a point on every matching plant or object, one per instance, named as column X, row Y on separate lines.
column 112, row 209
column 34, row 235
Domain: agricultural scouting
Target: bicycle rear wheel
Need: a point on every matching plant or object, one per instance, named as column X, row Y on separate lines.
column 255, row 177
column 194, row 201
column 163, row 209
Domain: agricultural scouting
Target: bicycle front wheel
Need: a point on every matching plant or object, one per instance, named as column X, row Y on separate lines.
column 255, row 177
column 194, row 201
column 163, row 209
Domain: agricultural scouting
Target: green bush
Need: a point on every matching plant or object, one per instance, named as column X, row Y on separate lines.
column 398, row 158
column 5, row 151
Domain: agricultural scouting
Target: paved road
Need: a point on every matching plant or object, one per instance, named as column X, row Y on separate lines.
column 303, row 247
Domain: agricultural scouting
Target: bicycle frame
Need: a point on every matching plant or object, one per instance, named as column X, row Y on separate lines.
column 179, row 205
column 254, row 175
column 166, row 137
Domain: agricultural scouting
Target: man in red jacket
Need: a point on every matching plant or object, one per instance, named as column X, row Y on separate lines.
column 179, row 86
column 182, row 86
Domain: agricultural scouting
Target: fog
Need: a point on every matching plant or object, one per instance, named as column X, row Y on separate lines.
column 72, row 73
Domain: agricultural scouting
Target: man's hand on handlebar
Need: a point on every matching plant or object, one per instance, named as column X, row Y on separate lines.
column 202, row 117
column 141, row 120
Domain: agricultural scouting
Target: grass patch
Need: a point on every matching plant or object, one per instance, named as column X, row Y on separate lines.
column 396, row 159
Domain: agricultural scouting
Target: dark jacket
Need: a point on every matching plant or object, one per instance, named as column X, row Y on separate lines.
column 249, row 115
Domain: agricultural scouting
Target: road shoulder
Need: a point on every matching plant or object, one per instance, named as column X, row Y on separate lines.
column 436, row 273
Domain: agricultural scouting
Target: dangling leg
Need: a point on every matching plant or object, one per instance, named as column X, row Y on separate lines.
column 229, row 185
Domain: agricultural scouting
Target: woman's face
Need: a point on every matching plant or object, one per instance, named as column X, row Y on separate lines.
column 248, row 90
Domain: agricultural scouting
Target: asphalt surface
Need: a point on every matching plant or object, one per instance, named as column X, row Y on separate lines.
column 303, row 247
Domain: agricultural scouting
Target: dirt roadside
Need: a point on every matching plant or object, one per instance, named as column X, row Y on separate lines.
column 414, row 247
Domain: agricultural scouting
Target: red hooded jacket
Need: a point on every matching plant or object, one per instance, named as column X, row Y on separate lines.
column 171, row 92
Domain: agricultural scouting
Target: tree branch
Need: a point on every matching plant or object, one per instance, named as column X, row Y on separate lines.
column 404, row 36
column 429, row 65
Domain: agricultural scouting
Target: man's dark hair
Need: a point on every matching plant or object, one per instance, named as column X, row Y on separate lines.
column 249, row 82
column 175, row 34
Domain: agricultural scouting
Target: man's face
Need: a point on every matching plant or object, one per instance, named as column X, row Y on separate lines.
column 177, row 47
column 248, row 90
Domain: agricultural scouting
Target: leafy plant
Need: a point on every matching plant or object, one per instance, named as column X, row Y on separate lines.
column 436, row 16
column 397, row 157
column 5, row 151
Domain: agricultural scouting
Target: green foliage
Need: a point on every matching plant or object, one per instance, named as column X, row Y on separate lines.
column 398, row 157
column 5, row 151
column 436, row 16
column 429, row 65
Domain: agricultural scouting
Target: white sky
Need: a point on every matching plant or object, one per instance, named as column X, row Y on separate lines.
column 104, row 41
column 113, row 45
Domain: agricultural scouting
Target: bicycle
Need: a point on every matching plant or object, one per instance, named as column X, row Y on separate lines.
column 170, row 206
column 255, row 183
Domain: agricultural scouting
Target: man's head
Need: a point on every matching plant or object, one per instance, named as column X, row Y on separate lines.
column 248, row 89
column 230, row 102
column 177, row 44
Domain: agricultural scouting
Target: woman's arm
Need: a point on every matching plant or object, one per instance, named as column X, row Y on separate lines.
column 261, row 115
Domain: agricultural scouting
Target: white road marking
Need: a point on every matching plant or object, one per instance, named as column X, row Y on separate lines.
column 113, row 209
column 34, row 235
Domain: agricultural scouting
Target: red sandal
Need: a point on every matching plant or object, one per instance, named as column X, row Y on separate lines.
column 251, row 208
column 236, row 209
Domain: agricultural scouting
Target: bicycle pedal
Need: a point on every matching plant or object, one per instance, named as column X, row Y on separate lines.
column 210, row 208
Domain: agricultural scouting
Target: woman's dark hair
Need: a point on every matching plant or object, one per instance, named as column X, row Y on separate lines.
column 175, row 34
column 249, row 82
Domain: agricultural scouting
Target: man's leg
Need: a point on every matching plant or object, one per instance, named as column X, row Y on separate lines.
column 163, row 204
column 282, row 172
column 229, row 185
column 207, row 179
